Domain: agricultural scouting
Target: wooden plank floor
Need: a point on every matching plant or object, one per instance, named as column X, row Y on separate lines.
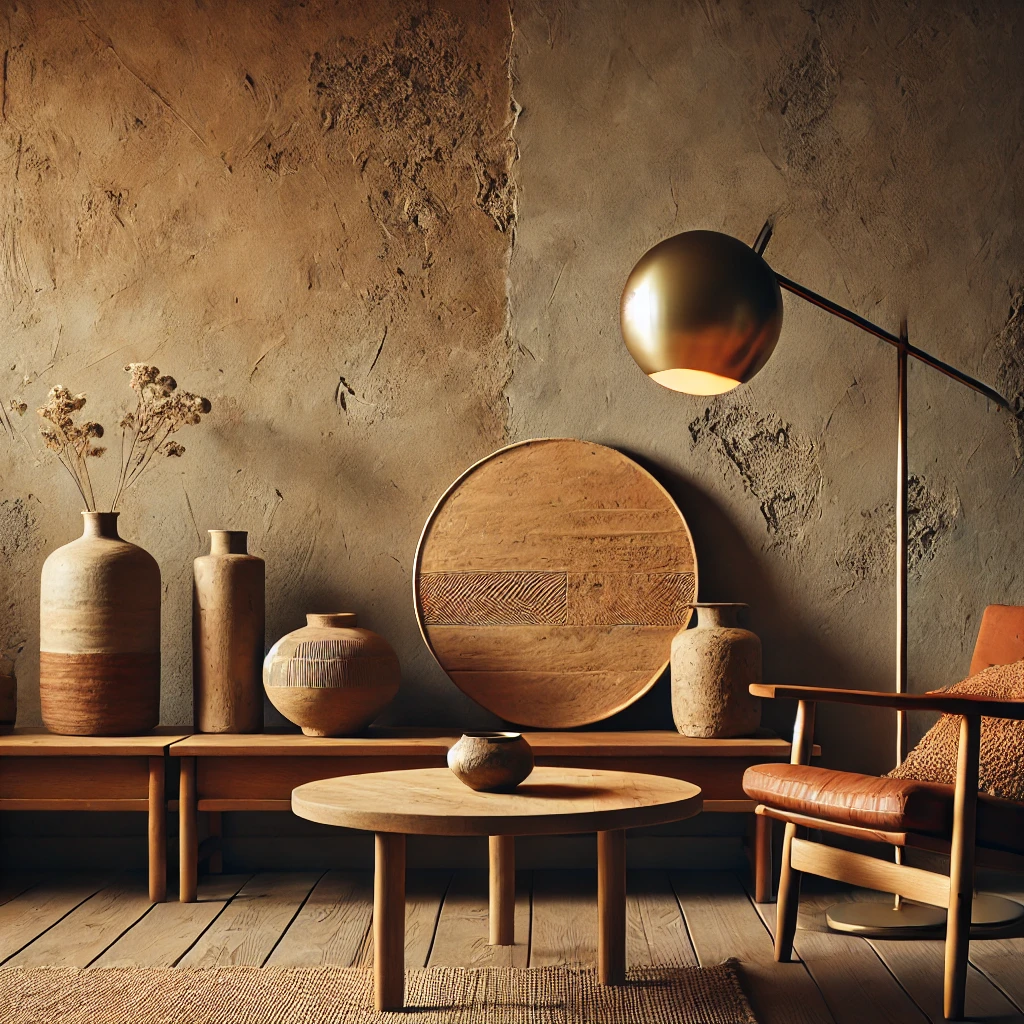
column 672, row 918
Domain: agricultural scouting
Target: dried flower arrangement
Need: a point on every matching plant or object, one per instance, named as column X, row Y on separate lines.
column 160, row 411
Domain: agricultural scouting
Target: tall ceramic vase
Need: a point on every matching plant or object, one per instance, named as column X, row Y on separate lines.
column 227, row 636
column 712, row 667
column 330, row 677
column 99, row 635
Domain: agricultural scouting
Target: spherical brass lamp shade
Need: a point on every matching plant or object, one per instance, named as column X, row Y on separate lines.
column 701, row 312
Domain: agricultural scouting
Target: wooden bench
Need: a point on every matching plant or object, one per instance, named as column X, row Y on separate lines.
column 43, row 772
column 258, row 773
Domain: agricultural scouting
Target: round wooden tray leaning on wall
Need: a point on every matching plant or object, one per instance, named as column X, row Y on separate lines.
column 550, row 579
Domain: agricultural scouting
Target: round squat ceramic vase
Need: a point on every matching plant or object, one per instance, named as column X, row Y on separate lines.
column 228, row 611
column 331, row 678
column 491, row 762
column 712, row 667
column 99, row 635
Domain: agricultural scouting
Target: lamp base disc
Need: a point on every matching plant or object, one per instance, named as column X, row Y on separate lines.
column 885, row 920
column 994, row 911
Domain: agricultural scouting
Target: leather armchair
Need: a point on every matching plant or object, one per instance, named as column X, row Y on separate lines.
column 970, row 827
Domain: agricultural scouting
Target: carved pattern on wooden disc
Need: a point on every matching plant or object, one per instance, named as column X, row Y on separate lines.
column 493, row 598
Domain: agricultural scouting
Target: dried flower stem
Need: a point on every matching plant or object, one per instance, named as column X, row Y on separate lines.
column 71, row 442
column 160, row 410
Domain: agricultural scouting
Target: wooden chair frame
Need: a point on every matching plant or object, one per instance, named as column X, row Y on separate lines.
column 955, row 891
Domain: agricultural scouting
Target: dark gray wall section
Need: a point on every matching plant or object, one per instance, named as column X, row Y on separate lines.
column 886, row 141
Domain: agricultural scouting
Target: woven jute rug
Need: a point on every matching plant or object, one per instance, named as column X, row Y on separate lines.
column 344, row 995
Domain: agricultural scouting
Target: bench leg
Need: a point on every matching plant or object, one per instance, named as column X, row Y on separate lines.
column 502, row 909
column 188, row 844
column 389, row 922
column 762, row 859
column 611, row 907
column 157, row 832
column 215, row 865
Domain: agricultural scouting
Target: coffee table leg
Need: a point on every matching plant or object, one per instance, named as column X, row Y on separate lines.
column 389, row 922
column 611, row 907
column 502, row 910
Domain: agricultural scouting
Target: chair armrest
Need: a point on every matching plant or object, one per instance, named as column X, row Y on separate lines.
column 946, row 703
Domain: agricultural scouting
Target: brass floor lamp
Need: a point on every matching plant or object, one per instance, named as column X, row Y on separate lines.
column 701, row 313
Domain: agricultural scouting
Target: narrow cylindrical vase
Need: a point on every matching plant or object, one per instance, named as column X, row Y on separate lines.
column 228, row 614
column 99, row 635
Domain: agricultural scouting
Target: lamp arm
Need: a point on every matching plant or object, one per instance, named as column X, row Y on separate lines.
column 894, row 339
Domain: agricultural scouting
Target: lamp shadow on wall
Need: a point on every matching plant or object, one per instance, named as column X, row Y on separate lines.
column 730, row 570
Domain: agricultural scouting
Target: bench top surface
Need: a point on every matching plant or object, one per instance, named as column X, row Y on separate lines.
column 552, row 801
column 655, row 743
column 180, row 742
column 34, row 742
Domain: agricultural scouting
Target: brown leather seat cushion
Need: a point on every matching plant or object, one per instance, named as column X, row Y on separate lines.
column 886, row 804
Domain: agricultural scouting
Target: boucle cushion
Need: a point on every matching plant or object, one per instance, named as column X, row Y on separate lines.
column 1001, row 771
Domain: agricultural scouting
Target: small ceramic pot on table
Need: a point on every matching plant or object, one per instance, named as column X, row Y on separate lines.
column 491, row 762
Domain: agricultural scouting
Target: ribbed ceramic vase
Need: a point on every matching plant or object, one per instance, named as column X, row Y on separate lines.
column 99, row 635
column 228, row 614
column 331, row 678
column 712, row 667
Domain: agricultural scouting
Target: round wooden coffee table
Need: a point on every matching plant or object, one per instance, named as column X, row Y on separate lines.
column 552, row 801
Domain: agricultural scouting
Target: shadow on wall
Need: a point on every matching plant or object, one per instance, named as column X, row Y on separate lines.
column 729, row 570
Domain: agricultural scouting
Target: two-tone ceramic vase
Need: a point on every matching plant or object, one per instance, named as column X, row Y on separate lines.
column 228, row 614
column 713, row 666
column 99, row 635
column 331, row 678
column 491, row 762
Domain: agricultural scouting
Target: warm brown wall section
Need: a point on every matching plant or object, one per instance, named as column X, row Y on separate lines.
column 300, row 210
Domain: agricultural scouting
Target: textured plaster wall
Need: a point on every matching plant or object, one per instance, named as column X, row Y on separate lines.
column 885, row 141
column 305, row 212
column 301, row 210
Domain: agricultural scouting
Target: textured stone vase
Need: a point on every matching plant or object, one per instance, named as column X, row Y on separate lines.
column 712, row 667
column 228, row 614
column 331, row 678
column 8, row 699
column 99, row 635
column 491, row 762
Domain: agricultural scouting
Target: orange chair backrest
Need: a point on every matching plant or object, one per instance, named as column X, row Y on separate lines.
column 1000, row 637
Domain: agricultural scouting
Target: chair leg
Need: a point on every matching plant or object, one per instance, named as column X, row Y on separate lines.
column 961, row 870
column 788, row 900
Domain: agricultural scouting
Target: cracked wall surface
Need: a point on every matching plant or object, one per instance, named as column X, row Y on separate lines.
column 884, row 142
column 304, row 212
column 871, row 543
column 777, row 466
